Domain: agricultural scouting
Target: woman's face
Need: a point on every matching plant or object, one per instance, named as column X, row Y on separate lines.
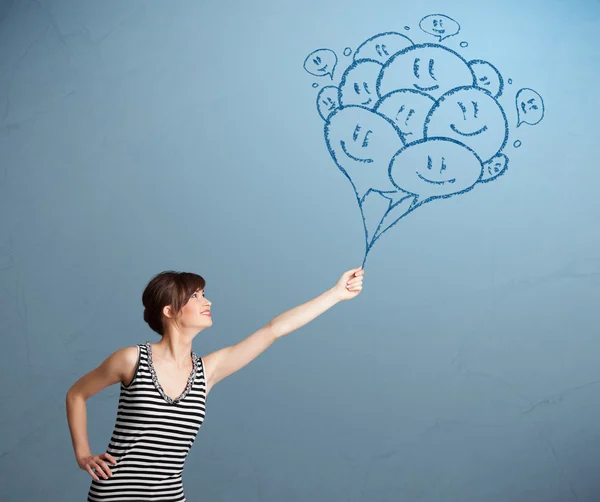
column 196, row 312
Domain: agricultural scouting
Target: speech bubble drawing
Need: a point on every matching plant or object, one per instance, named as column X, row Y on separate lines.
column 487, row 77
column 407, row 108
column 494, row 168
column 530, row 107
column 358, row 85
column 429, row 68
column 321, row 62
column 327, row 101
column 435, row 168
column 470, row 116
column 382, row 46
column 362, row 142
column 440, row 26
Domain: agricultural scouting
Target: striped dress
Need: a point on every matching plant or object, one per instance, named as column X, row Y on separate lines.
column 152, row 436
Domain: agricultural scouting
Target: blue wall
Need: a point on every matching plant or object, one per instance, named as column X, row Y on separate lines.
column 142, row 136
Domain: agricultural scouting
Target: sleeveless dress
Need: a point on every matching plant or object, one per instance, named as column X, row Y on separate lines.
column 152, row 436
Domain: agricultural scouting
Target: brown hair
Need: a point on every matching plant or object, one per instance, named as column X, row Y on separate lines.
column 168, row 288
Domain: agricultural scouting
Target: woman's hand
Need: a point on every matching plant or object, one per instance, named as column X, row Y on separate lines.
column 96, row 464
column 350, row 284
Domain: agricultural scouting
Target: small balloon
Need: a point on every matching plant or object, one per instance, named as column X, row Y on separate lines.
column 510, row 81
column 315, row 85
column 407, row 28
column 464, row 44
column 517, row 144
column 347, row 51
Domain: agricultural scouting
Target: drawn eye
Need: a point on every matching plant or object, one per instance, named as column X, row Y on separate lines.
column 431, row 63
column 356, row 88
column 416, row 67
column 366, row 140
column 475, row 108
column 317, row 60
column 365, row 85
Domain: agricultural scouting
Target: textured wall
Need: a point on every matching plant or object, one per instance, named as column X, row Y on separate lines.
column 142, row 136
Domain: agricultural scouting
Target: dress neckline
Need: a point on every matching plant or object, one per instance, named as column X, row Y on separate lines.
column 157, row 384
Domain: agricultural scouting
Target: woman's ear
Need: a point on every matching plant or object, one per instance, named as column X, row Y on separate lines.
column 168, row 312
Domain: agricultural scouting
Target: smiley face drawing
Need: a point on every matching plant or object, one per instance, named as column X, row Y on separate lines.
column 358, row 84
column 327, row 101
column 494, row 167
column 470, row 116
column 487, row 77
column 435, row 168
column 362, row 142
column 408, row 109
column 429, row 68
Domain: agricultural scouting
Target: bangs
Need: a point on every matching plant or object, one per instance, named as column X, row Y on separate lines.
column 187, row 284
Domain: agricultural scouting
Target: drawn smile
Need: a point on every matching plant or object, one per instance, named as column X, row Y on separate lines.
column 367, row 102
column 357, row 159
column 426, row 89
column 483, row 129
column 438, row 31
column 435, row 182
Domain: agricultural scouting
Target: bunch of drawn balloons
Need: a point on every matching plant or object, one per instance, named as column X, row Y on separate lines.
column 411, row 123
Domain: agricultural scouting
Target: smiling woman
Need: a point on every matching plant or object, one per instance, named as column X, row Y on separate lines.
column 164, row 387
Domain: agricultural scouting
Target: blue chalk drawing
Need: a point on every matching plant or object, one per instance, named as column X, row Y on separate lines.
column 407, row 28
column 464, row 44
column 439, row 26
column 510, row 81
column 347, row 51
column 408, row 109
column 327, row 101
column 473, row 117
column 359, row 82
column 429, row 68
column 361, row 143
column 435, row 168
column 487, row 77
column 315, row 85
column 494, row 167
column 530, row 107
column 321, row 62
column 411, row 124
column 382, row 47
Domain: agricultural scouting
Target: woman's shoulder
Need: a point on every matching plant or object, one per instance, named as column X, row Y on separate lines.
column 128, row 355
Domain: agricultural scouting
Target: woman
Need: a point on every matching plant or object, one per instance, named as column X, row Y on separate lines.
column 164, row 387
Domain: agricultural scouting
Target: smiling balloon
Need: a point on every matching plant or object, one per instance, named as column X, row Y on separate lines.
column 494, row 167
column 359, row 82
column 487, row 77
column 408, row 109
column 327, row 101
column 435, row 168
column 530, row 107
column 321, row 62
column 362, row 143
column 472, row 117
column 439, row 26
column 429, row 68
column 382, row 46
